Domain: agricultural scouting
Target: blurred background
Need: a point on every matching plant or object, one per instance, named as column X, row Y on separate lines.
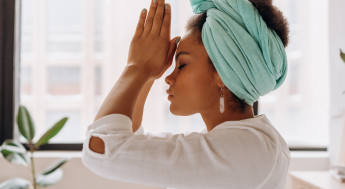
column 73, row 51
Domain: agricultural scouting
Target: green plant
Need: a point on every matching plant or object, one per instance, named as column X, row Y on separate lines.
column 14, row 152
column 342, row 56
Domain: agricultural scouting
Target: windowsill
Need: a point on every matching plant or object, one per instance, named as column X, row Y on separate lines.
column 77, row 154
column 57, row 154
column 309, row 154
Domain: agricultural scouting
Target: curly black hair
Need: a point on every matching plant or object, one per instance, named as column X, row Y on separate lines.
column 274, row 20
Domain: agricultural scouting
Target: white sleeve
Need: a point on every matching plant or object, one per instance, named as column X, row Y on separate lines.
column 195, row 160
column 140, row 130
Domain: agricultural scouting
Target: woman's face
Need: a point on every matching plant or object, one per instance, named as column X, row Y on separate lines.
column 193, row 88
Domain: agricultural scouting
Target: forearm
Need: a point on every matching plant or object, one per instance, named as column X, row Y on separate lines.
column 139, row 106
column 123, row 96
column 152, row 51
column 122, row 100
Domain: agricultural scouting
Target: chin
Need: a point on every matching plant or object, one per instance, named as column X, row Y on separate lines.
column 172, row 109
column 179, row 111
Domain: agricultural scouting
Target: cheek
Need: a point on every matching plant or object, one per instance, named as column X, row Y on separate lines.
column 193, row 85
column 191, row 88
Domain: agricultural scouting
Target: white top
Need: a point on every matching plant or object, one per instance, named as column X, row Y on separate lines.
column 243, row 154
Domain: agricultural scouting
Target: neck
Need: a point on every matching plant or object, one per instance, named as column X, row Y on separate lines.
column 213, row 117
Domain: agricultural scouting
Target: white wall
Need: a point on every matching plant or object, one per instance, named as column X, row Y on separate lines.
column 76, row 175
column 337, row 76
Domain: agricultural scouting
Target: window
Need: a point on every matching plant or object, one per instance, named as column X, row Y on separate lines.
column 73, row 51
column 300, row 107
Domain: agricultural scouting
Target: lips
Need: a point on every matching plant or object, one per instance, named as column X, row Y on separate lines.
column 170, row 97
column 168, row 92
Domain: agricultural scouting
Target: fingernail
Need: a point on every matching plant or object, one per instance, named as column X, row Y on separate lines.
column 178, row 39
column 154, row 1
column 166, row 5
column 144, row 10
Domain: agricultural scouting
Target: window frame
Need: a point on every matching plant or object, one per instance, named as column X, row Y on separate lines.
column 7, row 60
column 9, row 80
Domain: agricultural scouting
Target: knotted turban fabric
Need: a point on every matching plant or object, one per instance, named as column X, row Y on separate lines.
column 249, row 57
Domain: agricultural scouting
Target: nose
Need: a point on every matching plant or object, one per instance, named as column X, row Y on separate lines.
column 170, row 79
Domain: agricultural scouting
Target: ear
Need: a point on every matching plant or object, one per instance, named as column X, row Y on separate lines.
column 218, row 80
column 221, row 84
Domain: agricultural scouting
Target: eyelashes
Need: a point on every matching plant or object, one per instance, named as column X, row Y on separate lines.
column 181, row 66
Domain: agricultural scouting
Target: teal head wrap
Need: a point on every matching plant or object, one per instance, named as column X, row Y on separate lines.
column 249, row 57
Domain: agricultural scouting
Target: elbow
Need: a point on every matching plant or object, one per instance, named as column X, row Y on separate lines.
column 93, row 154
column 97, row 145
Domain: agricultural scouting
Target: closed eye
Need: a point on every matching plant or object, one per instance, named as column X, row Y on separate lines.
column 181, row 66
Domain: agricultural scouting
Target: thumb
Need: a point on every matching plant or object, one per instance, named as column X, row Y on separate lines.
column 170, row 55
column 172, row 49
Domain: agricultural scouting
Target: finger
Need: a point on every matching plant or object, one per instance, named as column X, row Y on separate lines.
column 166, row 26
column 158, row 19
column 140, row 26
column 149, row 19
column 172, row 50
column 171, row 53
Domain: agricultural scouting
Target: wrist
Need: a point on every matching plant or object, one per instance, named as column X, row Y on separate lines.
column 150, row 81
column 138, row 71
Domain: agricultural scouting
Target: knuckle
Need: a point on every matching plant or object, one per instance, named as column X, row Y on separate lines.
column 166, row 24
column 149, row 20
column 159, row 17
column 153, row 37
column 161, row 3
column 153, row 5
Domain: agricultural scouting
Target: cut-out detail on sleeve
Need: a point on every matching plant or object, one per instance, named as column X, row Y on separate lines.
column 140, row 130
column 236, row 155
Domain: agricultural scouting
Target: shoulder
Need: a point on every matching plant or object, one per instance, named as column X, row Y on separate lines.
column 245, row 143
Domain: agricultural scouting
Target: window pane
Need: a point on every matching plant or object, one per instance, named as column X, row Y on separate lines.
column 26, row 47
column 299, row 108
column 98, row 80
column 63, row 80
column 71, row 132
column 99, row 14
column 73, row 56
column 64, row 28
column 26, row 78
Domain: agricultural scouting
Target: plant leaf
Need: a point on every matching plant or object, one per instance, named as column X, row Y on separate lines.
column 14, row 152
column 19, row 159
column 52, row 167
column 342, row 55
column 15, row 183
column 49, row 179
column 11, row 142
column 51, row 132
column 25, row 124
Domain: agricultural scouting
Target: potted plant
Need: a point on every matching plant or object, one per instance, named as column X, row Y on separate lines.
column 338, row 169
column 342, row 56
column 341, row 156
column 14, row 152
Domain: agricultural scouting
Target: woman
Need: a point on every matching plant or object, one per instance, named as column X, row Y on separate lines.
column 230, row 55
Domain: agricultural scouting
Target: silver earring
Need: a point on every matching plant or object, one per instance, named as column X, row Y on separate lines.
column 221, row 101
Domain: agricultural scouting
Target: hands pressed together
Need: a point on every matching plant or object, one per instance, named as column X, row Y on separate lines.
column 150, row 54
column 151, row 48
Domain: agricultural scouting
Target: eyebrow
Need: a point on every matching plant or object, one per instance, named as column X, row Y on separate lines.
column 180, row 53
